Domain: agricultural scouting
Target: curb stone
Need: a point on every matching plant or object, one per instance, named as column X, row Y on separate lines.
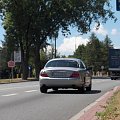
column 89, row 113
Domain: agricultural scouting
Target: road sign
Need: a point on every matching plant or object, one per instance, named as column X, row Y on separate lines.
column 118, row 5
column 17, row 56
column 11, row 63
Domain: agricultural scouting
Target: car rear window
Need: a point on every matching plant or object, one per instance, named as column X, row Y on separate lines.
column 62, row 63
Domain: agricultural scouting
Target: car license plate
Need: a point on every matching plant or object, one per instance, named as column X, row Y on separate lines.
column 59, row 74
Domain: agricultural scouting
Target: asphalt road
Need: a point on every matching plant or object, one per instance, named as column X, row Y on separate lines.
column 23, row 101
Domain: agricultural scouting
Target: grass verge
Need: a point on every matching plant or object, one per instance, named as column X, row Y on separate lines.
column 5, row 81
column 112, row 109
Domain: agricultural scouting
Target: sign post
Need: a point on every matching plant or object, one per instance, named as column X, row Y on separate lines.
column 11, row 64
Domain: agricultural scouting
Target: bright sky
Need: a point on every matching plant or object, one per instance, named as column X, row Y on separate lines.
column 66, row 46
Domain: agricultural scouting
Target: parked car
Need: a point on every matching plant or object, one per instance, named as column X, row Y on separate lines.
column 65, row 73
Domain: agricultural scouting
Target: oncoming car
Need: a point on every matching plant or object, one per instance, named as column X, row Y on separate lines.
column 65, row 73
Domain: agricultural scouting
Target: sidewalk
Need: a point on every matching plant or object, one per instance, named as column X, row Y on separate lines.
column 89, row 113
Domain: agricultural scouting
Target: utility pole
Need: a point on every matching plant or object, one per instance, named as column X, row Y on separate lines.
column 75, row 43
column 12, row 67
column 55, row 47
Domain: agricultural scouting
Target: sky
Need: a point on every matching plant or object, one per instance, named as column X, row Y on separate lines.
column 67, row 46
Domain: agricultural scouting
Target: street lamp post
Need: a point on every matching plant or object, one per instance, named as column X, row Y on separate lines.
column 55, row 47
column 75, row 43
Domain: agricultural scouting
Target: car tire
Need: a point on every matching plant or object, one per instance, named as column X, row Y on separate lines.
column 89, row 88
column 43, row 89
column 112, row 78
column 81, row 89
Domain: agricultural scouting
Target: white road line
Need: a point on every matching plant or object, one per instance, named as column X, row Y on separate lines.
column 31, row 91
column 18, row 87
column 10, row 95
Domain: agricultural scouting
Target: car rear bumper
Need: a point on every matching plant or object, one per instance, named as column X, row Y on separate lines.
column 61, row 83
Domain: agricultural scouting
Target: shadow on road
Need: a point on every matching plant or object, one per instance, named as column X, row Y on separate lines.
column 93, row 92
column 74, row 92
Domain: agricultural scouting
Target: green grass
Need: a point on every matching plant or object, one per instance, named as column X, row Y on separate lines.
column 9, row 80
column 112, row 109
column 5, row 81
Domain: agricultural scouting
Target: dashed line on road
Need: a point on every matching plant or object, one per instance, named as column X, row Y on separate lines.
column 13, row 94
column 18, row 87
column 29, row 91
column 8, row 95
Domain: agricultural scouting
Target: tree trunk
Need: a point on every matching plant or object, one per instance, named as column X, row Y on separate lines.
column 37, row 61
column 25, row 57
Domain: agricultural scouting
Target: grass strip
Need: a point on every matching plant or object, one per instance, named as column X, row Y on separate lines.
column 112, row 109
column 3, row 81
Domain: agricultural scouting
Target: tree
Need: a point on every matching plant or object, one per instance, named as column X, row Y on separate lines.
column 80, row 52
column 93, row 51
column 34, row 21
column 107, row 44
column 3, row 59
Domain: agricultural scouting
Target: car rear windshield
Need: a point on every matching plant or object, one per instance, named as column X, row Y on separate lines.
column 63, row 63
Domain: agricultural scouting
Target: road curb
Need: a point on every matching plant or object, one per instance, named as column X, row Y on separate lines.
column 89, row 113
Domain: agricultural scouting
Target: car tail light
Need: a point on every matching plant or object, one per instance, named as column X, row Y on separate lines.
column 75, row 75
column 43, row 74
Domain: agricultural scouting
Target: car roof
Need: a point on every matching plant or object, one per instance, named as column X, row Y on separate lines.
column 75, row 59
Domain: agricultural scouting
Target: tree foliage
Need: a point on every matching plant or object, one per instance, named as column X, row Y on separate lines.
column 29, row 23
column 95, row 53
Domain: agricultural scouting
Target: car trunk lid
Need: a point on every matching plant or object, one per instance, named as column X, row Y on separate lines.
column 62, row 72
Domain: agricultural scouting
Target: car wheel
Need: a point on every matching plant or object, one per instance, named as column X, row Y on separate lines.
column 43, row 89
column 112, row 78
column 89, row 88
column 81, row 89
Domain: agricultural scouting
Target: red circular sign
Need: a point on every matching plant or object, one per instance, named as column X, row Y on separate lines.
column 11, row 63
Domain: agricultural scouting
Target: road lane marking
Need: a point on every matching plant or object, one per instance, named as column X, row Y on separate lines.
column 7, row 95
column 18, row 87
column 29, row 91
column 13, row 94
